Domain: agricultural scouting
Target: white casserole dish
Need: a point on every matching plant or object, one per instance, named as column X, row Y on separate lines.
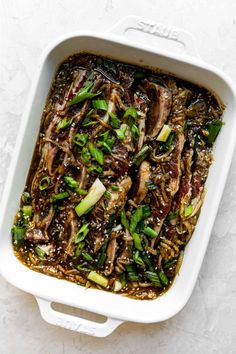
column 116, row 307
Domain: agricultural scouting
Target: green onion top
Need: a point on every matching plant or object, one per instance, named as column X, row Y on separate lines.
column 96, row 153
column 63, row 124
column 83, row 94
column 44, row 183
column 82, row 233
column 141, row 155
column 100, row 104
column 132, row 112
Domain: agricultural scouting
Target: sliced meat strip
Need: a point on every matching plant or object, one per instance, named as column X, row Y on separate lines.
column 141, row 189
column 160, row 98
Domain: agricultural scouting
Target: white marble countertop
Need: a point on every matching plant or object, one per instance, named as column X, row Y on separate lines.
column 208, row 322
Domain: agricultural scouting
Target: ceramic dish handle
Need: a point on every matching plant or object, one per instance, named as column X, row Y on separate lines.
column 75, row 323
column 157, row 29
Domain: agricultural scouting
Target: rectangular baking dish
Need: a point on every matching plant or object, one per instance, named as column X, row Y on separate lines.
column 115, row 307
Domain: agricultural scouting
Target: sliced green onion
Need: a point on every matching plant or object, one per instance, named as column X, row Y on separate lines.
column 102, row 254
column 169, row 141
column 79, row 249
column 100, row 104
column 164, row 133
column 170, row 263
column 114, row 120
column 188, row 210
column 40, row 252
column 137, row 241
column 87, row 122
column 95, row 193
column 120, row 133
column 87, row 256
column 132, row 112
column 153, row 278
column 82, row 233
column 107, row 195
column 172, row 215
column 63, row 124
column 107, row 142
column 163, row 278
column 80, row 139
column 141, row 213
column 83, row 95
column 71, row 183
column 26, row 199
column 141, row 155
column 27, row 211
column 96, row 153
column 98, row 278
column 18, row 233
column 124, row 220
column 85, row 155
column 138, row 260
column 59, row 196
column 151, row 186
column 83, row 267
column 115, row 188
column 44, row 183
column 150, row 232
column 148, row 261
column 135, row 132
column 97, row 170
column 132, row 273
column 213, row 130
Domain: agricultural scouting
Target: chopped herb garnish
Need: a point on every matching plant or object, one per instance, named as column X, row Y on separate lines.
column 153, row 278
column 79, row 249
column 114, row 120
column 164, row 133
column 96, row 153
column 85, row 155
column 137, row 241
column 80, row 139
column 63, row 124
column 107, row 195
column 59, row 196
column 170, row 264
column 188, row 210
column 135, row 132
column 96, row 170
column 98, row 278
column 27, row 211
column 150, row 232
column 151, row 186
column 132, row 112
column 121, row 132
column 44, row 183
column 163, row 278
column 132, row 274
column 71, row 183
column 213, row 130
column 115, row 188
column 82, row 233
column 87, row 256
column 172, row 215
column 141, row 155
column 40, row 252
column 138, row 260
column 18, row 234
column 124, row 220
column 100, row 104
column 95, row 193
column 83, row 94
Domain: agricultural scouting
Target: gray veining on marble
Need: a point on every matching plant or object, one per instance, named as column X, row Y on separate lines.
column 207, row 324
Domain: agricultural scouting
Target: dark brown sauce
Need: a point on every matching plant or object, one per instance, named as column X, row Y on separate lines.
column 151, row 152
